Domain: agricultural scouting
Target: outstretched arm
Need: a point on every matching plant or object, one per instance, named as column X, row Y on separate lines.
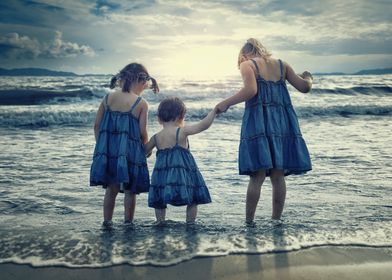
column 200, row 126
column 302, row 83
column 246, row 92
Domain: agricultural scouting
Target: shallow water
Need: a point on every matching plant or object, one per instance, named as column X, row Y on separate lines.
column 51, row 216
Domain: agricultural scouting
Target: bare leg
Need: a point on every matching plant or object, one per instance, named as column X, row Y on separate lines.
column 129, row 206
column 278, row 193
column 160, row 215
column 109, row 202
column 191, row 213
column 253, row 194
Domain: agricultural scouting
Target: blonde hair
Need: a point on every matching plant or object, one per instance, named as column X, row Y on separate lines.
column 253, row 47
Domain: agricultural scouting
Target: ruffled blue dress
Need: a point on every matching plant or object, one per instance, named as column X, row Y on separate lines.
column 119, row 156
column 176, row 179
column 270, row 133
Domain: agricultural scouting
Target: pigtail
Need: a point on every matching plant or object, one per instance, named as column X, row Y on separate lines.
column 154, row 85
column 113, row 82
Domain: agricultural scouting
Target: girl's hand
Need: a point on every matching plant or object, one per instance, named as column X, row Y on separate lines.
column 306, row 74
column 221, row 108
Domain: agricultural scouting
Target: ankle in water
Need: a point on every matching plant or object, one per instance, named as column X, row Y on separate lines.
column 160, row 223
column 107, row 224
column 250, row 223
column 128, row 223
column 190, row 223
column 277, row 222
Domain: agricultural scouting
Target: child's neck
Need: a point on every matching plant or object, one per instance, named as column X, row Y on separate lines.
column 135, row 92
column 172, row 124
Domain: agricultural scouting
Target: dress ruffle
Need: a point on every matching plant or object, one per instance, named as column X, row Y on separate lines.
column 176, row 180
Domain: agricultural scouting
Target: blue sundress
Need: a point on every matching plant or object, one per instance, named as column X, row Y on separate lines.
column 270, row 133
column 119, row 156
column 176, row 179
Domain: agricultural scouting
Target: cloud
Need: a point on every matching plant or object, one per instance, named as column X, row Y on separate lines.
column 103, row 6
column 59, row 48
column 16, row 46
column 13, row 45
column 334, row 46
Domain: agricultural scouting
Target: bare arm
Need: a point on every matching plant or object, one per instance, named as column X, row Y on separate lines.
column 302, row 83
column 98, row 119
column 200, row 126
column 149, row 146
column 246, row 92
column 143, row 117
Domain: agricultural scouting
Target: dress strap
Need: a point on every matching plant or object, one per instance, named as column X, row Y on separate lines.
column 281, row 69
column 177, row 136
column 135, row 104
column 105, row 101
column 257, row 68
column 177, row 133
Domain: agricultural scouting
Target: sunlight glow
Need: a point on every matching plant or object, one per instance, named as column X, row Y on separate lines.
column 200, row 61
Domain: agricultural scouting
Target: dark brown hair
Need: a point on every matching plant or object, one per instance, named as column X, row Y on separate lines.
column 171, row 109
column 131, row 74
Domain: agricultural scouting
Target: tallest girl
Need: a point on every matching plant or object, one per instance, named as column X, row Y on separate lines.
column 271, row 141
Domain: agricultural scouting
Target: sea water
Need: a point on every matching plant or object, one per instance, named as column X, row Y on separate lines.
column 51, row 216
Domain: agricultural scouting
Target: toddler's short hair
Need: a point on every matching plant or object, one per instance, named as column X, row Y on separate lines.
column 171, row 109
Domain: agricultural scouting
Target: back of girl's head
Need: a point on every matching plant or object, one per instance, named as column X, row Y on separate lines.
column 253, row 47
column 171, row 109
column 132, row 74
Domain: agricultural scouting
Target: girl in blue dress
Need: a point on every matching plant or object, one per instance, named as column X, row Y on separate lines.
column 119, row 162
column 271, row 141
column 176, row 179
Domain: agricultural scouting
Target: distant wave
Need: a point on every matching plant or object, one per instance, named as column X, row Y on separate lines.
column 68, row 93
column 324, row 112
column 188, row 91
column 38, row 96
column 372, row 90
column 344, row 111
column 45, row 118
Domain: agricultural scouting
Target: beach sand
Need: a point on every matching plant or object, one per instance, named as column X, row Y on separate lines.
column 314, row 263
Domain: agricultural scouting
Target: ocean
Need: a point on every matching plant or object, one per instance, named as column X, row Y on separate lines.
column 51, row 216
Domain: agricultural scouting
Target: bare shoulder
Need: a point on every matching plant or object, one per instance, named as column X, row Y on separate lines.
column 287, row 65
column 247, row 64
column 247, row 67
column 186, row 130
column 112, row 96
column 143, row 104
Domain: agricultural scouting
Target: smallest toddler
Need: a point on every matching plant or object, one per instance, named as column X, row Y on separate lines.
column 176, row 179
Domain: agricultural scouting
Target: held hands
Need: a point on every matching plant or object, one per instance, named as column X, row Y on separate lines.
column 221, row 108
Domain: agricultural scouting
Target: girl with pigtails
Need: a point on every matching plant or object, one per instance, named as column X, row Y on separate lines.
column 119, row 162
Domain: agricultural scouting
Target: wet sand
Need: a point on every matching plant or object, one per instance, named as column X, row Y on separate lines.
column 314, row 263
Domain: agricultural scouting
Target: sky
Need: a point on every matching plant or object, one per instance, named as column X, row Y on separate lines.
column 193, row 38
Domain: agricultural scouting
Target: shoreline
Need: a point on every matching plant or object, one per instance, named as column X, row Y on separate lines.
column 330, row 262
